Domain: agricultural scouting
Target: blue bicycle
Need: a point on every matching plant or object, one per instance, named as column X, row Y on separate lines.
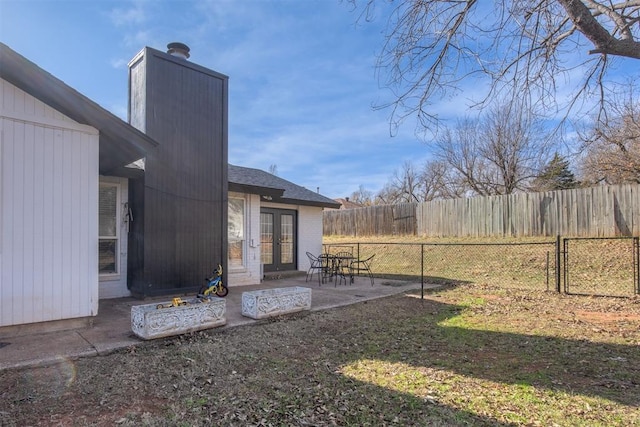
column 214, row 285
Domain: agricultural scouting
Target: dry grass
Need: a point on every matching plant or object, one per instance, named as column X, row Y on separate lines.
column 593, row 266
column 467, row 355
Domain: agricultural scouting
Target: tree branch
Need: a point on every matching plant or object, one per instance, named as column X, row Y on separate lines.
column 603, row 41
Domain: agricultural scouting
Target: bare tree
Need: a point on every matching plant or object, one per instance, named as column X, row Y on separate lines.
column 526, row 48
column 612, row 148
column 409, row 184
column 387, row 195
column 405, row 185
column 498, row 154
column 440, row 182
column 362, row 196
column 458, row 149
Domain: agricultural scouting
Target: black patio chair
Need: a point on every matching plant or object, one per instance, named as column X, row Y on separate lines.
column 358, row 266
column 315, row 264
column 342, row 266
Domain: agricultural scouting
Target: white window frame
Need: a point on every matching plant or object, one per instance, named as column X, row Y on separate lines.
column 245, row 219
column 118, row 239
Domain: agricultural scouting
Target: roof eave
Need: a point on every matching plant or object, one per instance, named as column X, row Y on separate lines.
column 255, row 189
column 309, row 203
column 120, row 143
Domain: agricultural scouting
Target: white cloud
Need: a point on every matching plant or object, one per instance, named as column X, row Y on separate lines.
column 138, row 39
column 119, row 63
column 133, row 15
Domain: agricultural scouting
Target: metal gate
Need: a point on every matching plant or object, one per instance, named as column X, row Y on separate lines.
column 607, row 266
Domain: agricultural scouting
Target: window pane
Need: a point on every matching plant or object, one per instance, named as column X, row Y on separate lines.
column 266, row 238
column 107, row 256
column 236, row 219
column 107, row 204
column 286, row 234
column 236, row 232
column 235, row 253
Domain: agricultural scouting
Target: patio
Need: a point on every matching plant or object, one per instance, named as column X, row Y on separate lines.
column 110, row 330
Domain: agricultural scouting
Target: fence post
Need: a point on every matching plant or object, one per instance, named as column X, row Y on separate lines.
column 558, row 289
column 636, row 264
column 422, row 271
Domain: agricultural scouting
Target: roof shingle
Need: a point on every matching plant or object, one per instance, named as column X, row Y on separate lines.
column 260, row 182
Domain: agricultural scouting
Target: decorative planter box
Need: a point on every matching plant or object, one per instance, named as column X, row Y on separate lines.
column 275, row 302
column 149, row 322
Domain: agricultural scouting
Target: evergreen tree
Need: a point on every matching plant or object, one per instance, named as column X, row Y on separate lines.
column 556, row 175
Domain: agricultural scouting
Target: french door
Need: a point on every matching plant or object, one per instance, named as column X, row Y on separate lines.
column 278, row 239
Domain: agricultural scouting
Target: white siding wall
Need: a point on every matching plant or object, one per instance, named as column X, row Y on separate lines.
column 48, row 212
column 309, row 234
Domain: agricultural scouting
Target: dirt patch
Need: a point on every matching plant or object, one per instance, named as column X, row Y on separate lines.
column 601, row 317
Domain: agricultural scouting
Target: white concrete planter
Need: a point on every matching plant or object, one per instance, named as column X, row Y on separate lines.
column 149, row 322
column 275, row 302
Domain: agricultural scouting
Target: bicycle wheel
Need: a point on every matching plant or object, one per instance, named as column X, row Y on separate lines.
column 222, row 290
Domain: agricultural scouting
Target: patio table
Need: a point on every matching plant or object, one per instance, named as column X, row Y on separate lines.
column 334, row 266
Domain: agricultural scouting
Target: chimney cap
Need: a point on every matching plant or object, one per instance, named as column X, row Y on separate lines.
column 178, row 49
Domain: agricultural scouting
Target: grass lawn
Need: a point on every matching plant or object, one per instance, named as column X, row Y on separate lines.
column 465, row 355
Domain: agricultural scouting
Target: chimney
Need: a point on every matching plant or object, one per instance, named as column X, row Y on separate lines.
column 180, row 202
column 180, row 50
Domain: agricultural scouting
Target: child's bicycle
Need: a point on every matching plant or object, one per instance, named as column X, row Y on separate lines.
column 214, row 285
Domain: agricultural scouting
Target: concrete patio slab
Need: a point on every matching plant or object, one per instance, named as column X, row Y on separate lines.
column 111, row 330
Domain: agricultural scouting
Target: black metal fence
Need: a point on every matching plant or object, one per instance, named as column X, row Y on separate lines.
column 601, row 266
column 594, row 266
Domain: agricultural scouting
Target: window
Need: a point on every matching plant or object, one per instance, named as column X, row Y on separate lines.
column 236, row 232
column 108, row 230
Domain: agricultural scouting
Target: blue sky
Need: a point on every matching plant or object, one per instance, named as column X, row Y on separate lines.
column 302, row 79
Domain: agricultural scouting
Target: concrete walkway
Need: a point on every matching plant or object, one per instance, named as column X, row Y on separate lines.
column 111, row 328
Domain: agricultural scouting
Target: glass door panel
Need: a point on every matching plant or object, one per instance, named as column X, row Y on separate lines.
column 286, row 239
column 266, row 238
column 278, row 239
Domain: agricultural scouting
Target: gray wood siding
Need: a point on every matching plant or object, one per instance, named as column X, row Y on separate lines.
column 184, row 107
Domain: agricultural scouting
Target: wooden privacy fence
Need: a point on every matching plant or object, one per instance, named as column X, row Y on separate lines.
column 381, row 220
column 602, row 211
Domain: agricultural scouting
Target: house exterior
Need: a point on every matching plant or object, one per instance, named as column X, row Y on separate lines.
column 272, row 224
column 54, row 145
column 94, row 207
column 348, row 204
